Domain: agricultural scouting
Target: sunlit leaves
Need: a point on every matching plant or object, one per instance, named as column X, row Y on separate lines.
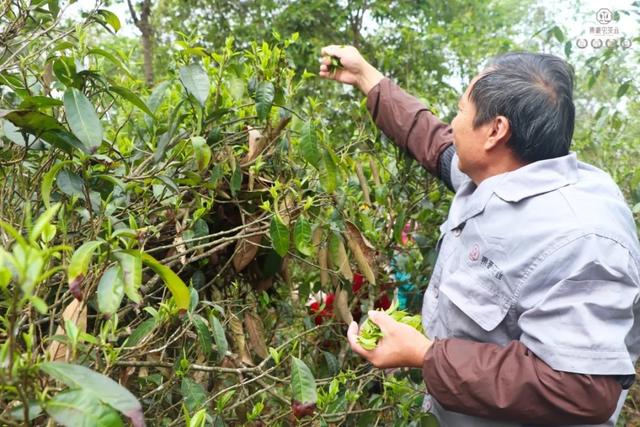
column 175, row 284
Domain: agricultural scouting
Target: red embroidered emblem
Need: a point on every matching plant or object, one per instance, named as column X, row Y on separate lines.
column 474, row 253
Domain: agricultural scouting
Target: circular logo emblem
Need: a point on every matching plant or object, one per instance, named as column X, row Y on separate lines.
column 474, row 253
column 625, row 43
column 596, row 43
column 581, row 43
column 604, row 16
column 611, row 43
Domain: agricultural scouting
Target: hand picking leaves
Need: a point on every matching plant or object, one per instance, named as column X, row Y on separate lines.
column 370, row 333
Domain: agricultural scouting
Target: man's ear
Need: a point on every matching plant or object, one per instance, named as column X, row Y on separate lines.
column 499, row 133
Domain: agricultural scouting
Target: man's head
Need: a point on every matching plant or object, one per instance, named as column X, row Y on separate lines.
column 517, row 111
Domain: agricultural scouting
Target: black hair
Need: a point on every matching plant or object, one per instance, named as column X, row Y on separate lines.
column 535, row 93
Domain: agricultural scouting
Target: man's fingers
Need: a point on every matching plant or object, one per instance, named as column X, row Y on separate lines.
column 352, row 336
column 380, row 318
column 330, row 50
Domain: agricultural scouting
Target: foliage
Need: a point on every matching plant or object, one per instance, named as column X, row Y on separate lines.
column 159, row 244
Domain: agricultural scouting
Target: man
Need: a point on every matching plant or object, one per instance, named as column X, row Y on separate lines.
column 532, row 309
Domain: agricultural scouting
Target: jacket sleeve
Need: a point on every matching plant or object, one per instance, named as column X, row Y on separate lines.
column 412, row 127
column 511, row 384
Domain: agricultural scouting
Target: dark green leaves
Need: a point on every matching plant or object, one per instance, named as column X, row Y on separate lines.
column 265, row 92
column 203, row 334
column 302, row 237
column 97, row 387
column 82, row 118
column 309, row 146
column 623, row 88
column 279, row 236
column 196, row 81
column 219, row 337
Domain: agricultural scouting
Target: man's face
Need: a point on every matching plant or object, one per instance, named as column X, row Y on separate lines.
column 467, row 140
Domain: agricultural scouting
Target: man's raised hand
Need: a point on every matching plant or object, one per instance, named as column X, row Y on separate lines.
column 355, row 69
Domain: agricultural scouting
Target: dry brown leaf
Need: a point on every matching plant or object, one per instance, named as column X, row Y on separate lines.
column 255, row 329
column 340, row 261
column 246, row 252
column 362, row 250
column 256, row 144
column 341, row 306
column 238, row 338
column 75, row 312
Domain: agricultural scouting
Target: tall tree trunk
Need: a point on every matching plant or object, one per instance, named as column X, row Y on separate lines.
column 144, row 25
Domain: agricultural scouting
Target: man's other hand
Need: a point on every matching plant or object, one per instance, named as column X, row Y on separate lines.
column 355, row 70
column 400, row 346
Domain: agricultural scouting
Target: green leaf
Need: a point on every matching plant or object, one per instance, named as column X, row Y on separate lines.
column 309, row 146
column 63, row 140
column 302, row 237
column 219, row 337
column 328, row 173
column 199, row 419
column 131, row 97
column 140, row 332
column 196, row 81
column 303, row 384
column 64, row 68
column 70, row 184
column 83, row 119
column 34, row 102
column 557, row 33
column 110, row 18
column 203, row 334
column 279, row 236
column 131, row 264
column 74, row 408
column 236, row 180
column 175, row 284
column 39, row 304
column 193, row 393
column 112, row 58
column 42, row 221
column 98, row 386
column 79, row 265
column 155, row 99
column 110, row 290
column 623, row 88
column 33, row 122
column 265, row 92
column 202, row 153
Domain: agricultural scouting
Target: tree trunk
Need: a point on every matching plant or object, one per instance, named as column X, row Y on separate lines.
column 144, row 25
